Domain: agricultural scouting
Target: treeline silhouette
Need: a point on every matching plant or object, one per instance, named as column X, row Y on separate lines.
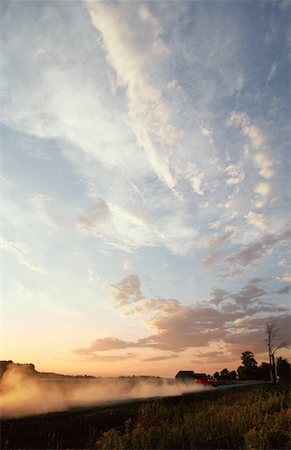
column 249, row 370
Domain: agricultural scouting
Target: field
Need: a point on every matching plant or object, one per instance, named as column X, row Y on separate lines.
column 245, row 417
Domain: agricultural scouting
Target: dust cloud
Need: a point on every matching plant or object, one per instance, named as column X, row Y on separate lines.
column 24, row 394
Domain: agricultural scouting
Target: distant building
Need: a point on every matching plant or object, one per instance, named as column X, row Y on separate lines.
column 189, row 374
column 185, row 374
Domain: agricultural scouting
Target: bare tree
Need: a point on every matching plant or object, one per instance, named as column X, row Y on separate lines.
column 275, row 339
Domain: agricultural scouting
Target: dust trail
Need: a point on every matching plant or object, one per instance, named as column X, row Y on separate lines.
column 23, row 393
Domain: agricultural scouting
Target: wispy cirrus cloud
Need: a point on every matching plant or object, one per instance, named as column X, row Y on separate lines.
column 149, row 114
column 21, row 250
column 119, row 227
column 129, row 228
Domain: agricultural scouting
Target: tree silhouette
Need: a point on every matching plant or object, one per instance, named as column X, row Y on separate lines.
column 284, row 370
column 224, row 373
column 248, row 359
column 249, row 369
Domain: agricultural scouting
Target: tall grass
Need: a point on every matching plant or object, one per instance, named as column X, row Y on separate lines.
column 256, row 418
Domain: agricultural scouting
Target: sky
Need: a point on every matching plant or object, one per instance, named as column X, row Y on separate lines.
column 145, row 183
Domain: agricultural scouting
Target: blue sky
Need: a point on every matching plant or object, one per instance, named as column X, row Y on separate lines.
column 146, row 183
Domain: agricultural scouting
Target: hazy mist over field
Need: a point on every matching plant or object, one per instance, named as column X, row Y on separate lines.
column 24, row 394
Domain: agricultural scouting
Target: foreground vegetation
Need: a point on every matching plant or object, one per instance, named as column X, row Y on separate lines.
column 245, row 417
column 258, row 418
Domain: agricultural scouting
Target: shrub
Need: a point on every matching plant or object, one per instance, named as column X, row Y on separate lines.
column 272, row 434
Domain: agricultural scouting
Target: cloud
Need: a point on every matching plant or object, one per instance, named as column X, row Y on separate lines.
column 218, row 239
column 208, row 133
column 194, row 175
column 118, row 227
column 127, row 291
column 212, row 258
column 253, row 334
column 101, row 345
column 196, row 183
column 128, row 50
column 219, row 357
column 272, row 73
column 161, row 358
column 171, row 84
column 263, row 189
column 96, row 357
column 229, row 317
column 254, row 133
column 132, row 217
column 249, row 294
column 257, row 220
column 218, row 296
column 214, row 242
column 235, row 173
column 286, row 277
column 125, row 264
column 93, row 277
column 129, row 115
column 40, row 200
column 256, row 250
column 263, row 159
column 93, row 218
column 22, row 252
column 232, row 272
column 264, row 163
column 285, row 289
column 63, row 102
column 137, row 226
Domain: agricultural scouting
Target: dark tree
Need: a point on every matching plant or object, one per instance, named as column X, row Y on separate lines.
column 242, row 373
column 224, row 374
column 248, row 359
column 249, row 368
column 264, row 372
column 232, row 375
column 283, row 370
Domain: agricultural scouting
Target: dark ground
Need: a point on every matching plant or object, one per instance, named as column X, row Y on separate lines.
column 79, row 429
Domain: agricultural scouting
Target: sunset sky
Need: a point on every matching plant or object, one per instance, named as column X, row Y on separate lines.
column 146, row 183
